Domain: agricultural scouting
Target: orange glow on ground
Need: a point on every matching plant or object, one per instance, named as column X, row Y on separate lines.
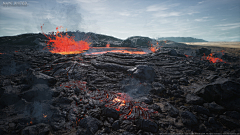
column 102, row 50
column 117, row 51
column 212, row 59
column 188, row 56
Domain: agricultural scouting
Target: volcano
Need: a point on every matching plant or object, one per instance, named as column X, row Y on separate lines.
column 87, row 83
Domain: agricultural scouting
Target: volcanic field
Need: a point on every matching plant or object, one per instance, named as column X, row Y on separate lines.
column 86, row 83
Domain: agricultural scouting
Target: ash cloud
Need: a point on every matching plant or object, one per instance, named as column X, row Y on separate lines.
column 53, row 14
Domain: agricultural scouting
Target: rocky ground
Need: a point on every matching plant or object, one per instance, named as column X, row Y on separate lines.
column 164, row 92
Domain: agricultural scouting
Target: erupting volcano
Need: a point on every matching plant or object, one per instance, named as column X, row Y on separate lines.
column 108, row 85
column 65, row 44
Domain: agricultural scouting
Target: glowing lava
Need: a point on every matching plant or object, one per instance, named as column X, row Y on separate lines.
column 212, row 59
column 188, row 56
column 108, row 45
column 122, row 102
column 44, row 116
column 64, row 44
column 102, row 50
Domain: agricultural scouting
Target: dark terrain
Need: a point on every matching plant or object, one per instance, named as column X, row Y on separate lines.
column 45, row 93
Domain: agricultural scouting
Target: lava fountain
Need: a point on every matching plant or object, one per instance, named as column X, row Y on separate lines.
column 64, row 44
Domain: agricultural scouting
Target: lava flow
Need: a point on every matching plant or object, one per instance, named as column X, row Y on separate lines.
column 102, row 50
column 64, row 44
column 121, row 102
column 212, row 59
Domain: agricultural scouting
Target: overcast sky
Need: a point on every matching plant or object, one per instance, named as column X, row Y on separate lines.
column 211, row 20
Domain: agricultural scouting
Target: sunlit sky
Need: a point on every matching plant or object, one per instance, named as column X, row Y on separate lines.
column 211, row 20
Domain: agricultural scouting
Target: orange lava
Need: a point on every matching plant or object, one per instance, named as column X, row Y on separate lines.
column 122, row 102
column 187, row 55
column 108, row 45
column 153, row 49
column 212, row 59
column 118, row 51
column 44, row 116
column 64, row 44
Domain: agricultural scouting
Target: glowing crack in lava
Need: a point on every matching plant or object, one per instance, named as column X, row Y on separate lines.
column 188, row 56
column 121, row 102
column 64, row 44
column 102, row 50
column 211, row 58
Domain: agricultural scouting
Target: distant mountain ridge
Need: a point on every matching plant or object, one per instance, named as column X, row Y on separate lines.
column 182, row 39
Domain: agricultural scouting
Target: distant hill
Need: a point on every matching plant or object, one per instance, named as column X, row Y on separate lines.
column 182, row 39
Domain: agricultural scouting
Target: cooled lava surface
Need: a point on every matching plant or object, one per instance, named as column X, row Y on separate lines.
column 95, row 84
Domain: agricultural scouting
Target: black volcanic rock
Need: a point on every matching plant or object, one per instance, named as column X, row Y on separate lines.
column 116, row 125
column 147, row 125
column 193, row 99
column 233, row 114
column 92, row 125
column 137, row 41
column 223, row 91
column 189, row 118
column 128, row 125
column 146, row 100
column 167, row 107
column 40, row 129
column 38, row 92
column 143, row 72
column 201, row 110
column 40, row 78
column 182, row 39
column 110, row 66
column 173, row 52
column 228, row 122
column 157, row 88
column 109, row 112
column 9, row 95
column 203, row 51
column 213, row 107
column 76, row 93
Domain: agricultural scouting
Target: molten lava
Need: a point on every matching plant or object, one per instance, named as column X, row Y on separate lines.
column 64, row 44
column 108, row 45
column 44, row 116
column 122, row 102
column 212, row 59
column 153, row 49
column 102, row 50
column 188, row 56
